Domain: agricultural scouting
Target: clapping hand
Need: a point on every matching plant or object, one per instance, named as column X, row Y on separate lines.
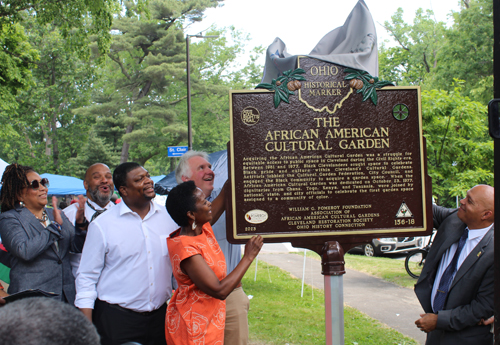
column 57, row 211
column 80, row 214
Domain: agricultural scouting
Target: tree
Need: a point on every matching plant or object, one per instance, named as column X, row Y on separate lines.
column 16, row 60
column 431, row 55
column 47, row 133
column 66, row 15
column 459, row 149
column 93, row 151
column 455, row 69
column 77, row 21
column 417, row 51
column 468, row 54
column 215, row 71
column 146, row 58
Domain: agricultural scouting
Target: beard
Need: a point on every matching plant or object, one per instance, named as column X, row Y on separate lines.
column 101, row 199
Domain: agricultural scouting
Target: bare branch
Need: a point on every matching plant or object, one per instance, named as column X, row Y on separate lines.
column 118, row 61
column 396, row 37
column 426, row 64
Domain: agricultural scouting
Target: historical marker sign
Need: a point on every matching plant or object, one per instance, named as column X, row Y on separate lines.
column 330, row 163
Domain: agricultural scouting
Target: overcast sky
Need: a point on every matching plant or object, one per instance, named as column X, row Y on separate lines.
column 301, row 24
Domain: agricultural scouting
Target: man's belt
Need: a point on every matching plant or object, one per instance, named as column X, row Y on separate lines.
column 145, row 313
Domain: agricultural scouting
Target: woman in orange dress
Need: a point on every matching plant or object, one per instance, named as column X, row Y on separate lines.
column 196, row 312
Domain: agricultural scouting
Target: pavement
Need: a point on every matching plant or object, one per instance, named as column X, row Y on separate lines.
column 395, row 306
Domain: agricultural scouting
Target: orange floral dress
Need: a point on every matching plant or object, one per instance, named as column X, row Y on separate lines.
column 193, row 317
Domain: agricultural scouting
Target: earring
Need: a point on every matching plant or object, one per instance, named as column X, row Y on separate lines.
column 21, row 203
column 194, row 225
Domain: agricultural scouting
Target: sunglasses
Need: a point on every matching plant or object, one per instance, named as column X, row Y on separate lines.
column 35, row 184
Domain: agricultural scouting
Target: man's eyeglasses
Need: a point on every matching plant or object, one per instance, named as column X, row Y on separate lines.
column 35, row 184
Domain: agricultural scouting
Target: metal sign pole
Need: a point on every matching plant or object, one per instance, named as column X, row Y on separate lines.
column 332, row 263
column 496, row 86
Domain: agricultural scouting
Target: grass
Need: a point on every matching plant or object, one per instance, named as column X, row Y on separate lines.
column 279, row 316
column 382, row 267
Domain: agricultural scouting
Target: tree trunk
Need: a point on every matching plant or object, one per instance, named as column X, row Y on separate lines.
column 48, row 141
column 126, row 146
column 28, row 141
column 138, row 95
column 55, row 146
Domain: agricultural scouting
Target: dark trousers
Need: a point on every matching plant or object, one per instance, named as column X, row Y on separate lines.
column 117, row 325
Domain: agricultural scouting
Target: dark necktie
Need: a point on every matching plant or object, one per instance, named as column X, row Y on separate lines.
column 97, row 213
column 449, row 273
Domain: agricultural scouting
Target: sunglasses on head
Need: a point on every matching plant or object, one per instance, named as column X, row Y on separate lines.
column 35, row 184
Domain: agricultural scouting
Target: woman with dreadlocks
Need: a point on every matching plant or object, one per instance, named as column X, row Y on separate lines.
column 38, row 238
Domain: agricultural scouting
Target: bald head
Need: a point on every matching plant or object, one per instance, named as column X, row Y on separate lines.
column 95, row 166
column 477, row 208
column 98, row 183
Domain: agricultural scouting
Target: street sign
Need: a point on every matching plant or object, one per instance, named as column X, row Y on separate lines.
column 177, row 151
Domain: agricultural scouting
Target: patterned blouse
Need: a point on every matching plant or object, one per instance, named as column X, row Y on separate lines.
column 194, row 317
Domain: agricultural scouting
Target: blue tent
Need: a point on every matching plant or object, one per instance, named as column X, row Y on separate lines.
column 157, row 178
column 64, row 185
column 219, row 166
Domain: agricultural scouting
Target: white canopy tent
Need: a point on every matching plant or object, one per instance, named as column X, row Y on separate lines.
column 3, row 165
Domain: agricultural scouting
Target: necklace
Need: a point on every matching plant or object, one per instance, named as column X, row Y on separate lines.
column 44, row 218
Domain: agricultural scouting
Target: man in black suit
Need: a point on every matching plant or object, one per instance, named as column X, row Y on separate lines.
column 456, row 287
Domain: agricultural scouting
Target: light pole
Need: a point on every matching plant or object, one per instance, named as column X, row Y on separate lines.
column 188, row 69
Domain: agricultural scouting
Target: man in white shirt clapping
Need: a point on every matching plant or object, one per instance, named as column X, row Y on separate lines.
column 98, row 183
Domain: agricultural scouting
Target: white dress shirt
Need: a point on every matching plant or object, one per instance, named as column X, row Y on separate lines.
column 125, row 260
column 70, row 212
column 475, row 236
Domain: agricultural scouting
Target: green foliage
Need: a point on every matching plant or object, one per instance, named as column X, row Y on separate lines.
column 76, row 20
column 459, row 149
column 16, row 60
column 139, row 102
column 436, row 57
column 429, row 54
column 468, row 54
column 47, row 133
column 138, row 95
column 95, row 150
column 214, row 71
column 70, row 16
column 416, row 53
column 72, row 112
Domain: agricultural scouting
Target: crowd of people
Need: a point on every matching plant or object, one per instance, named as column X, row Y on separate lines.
column 144, row 273
column 118, row 264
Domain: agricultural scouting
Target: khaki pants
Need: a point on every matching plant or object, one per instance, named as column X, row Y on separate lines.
column 237, row 305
